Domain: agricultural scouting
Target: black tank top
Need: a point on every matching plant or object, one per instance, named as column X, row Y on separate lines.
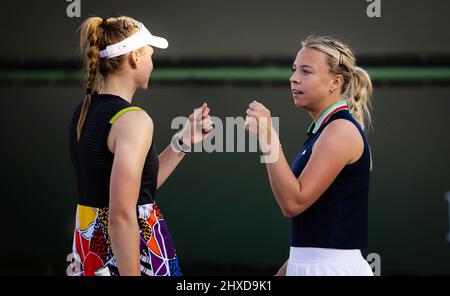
column 92, row 159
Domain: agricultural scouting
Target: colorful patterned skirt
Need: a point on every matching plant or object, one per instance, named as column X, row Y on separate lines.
column 92, row 246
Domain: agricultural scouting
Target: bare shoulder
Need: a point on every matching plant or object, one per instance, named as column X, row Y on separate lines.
column 342, row 128
column 134, row 121
column 134, row 126
column 343, row 137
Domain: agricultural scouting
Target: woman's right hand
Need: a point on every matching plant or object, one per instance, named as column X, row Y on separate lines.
column 198, row 126
column 258, row 121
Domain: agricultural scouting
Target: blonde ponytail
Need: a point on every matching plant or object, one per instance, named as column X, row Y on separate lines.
column 89, row 39
column 95, row 34
column 357, row 87
column 360, row 91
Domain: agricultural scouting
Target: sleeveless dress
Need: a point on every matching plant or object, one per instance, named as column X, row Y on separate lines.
column 91, row 252
column 327, row 237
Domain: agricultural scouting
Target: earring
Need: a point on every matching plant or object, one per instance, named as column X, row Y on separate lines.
column 331, row 90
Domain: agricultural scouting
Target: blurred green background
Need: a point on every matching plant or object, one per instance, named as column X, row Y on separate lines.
column 219, row 206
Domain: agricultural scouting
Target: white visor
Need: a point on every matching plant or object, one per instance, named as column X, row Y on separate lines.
column 139, row 39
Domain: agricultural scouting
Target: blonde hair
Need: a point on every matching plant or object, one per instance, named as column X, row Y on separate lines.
column 95, row 34
column 357, row 87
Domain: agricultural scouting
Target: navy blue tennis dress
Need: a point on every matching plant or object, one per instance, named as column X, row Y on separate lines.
column 338, row 219
column 327, row 237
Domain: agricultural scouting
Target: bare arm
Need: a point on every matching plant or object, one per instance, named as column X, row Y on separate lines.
column 336, row 147
column 133, row 136
column 339, row 144
column 168, row 161
column 169, row 158
column 282, row 270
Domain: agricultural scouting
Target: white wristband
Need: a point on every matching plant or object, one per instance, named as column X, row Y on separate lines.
column 179, row 147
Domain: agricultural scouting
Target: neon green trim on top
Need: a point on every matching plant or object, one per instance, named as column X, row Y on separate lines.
column 124, row 110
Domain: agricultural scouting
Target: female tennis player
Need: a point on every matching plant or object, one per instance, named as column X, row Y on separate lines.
column 325, row 190
column 119, row 228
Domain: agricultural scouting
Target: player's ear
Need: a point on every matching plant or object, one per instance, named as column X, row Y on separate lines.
column 133, row 59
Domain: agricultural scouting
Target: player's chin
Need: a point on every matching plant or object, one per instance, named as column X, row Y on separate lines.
column 299, row 103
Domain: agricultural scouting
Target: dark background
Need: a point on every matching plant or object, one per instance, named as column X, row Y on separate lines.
column 219, row 206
